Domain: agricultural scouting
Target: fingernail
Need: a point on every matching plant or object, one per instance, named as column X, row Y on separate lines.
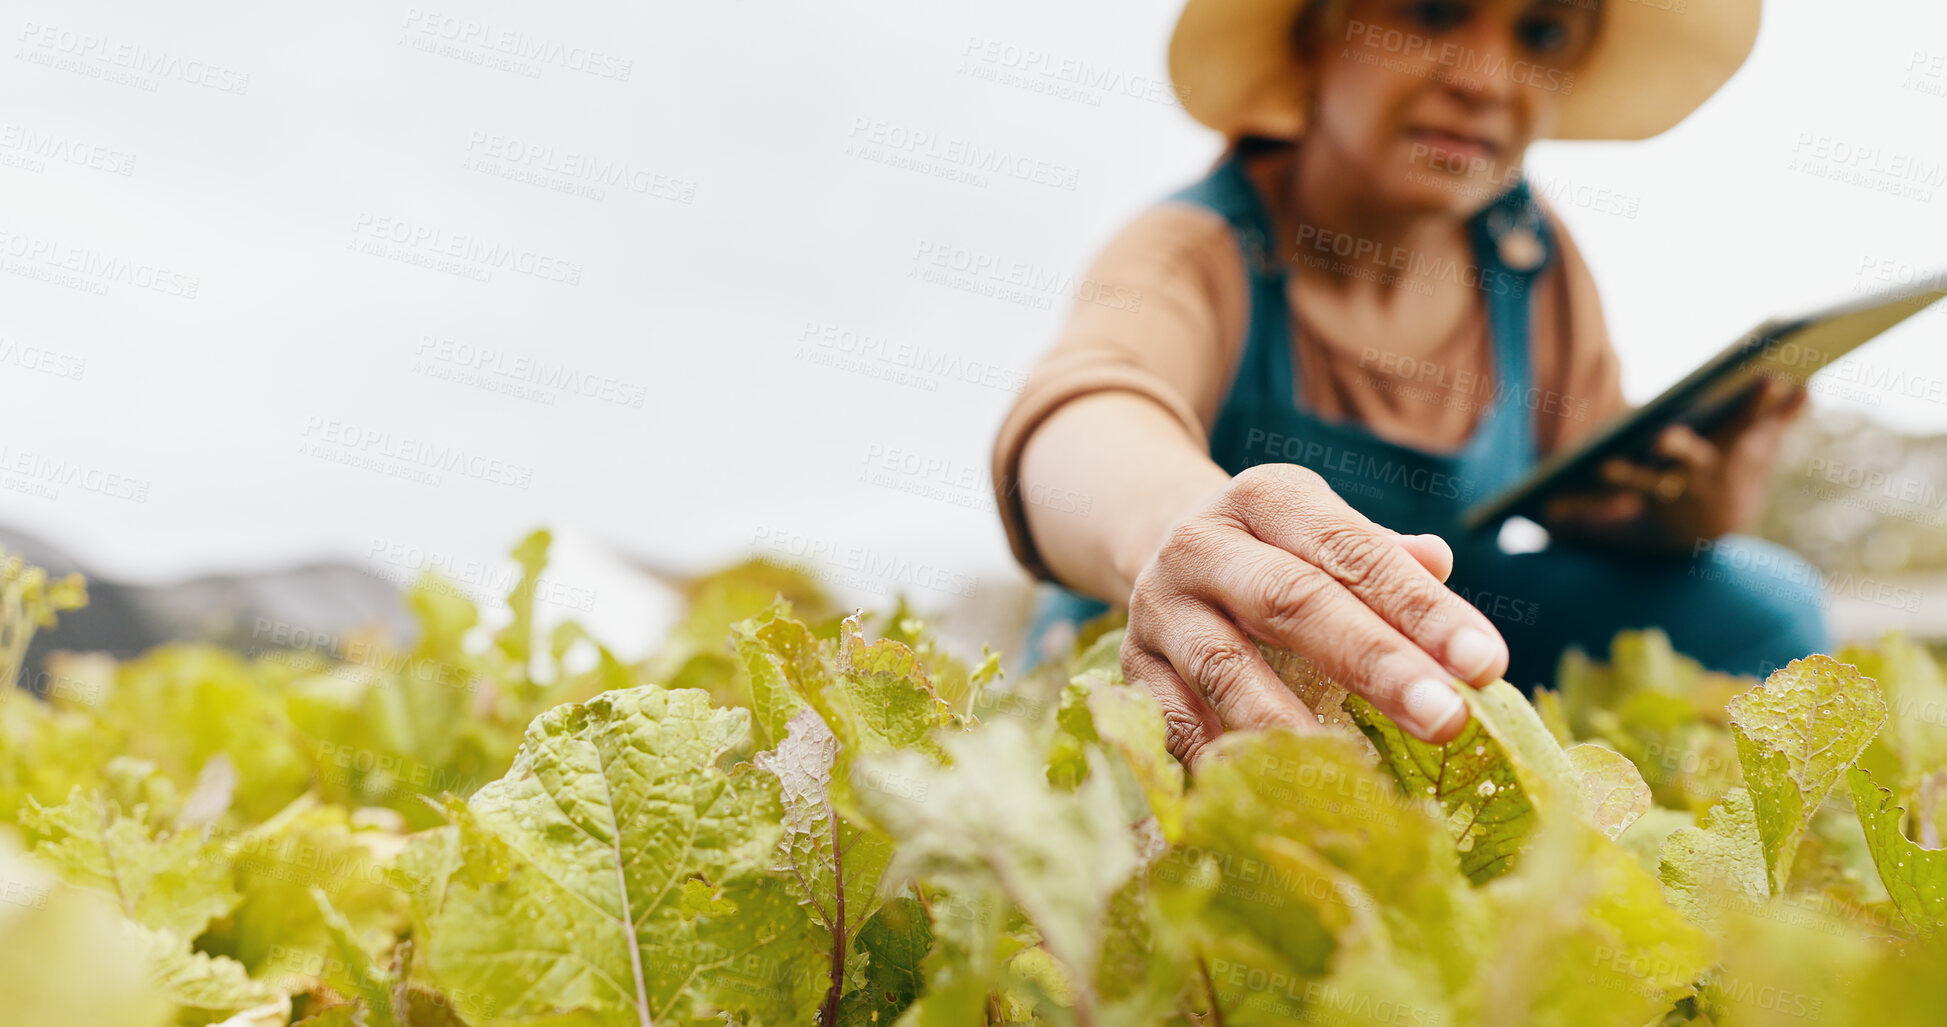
column 1470, row 653
column 1432, row 705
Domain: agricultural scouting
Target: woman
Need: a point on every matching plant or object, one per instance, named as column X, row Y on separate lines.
column 1359, row 323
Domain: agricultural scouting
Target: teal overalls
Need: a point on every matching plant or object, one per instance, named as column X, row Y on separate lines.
column 1741, row 605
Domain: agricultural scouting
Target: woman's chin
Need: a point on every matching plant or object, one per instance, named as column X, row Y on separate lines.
column 1441, row 195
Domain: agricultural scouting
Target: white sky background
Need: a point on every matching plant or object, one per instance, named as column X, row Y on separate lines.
column 701, row 306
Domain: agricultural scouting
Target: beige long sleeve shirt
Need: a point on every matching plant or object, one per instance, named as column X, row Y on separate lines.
column 1162, row 312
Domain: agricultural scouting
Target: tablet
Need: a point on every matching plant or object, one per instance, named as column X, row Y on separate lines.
column 1792, row 348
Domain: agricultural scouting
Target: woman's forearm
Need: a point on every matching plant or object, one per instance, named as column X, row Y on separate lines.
column 1138, row 469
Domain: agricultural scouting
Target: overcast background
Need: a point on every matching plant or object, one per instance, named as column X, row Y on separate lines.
column 246, row 392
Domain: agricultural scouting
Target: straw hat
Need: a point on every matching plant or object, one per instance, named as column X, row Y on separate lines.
column 1236, row 70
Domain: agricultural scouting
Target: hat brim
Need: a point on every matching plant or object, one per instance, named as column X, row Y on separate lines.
column 1235, row 69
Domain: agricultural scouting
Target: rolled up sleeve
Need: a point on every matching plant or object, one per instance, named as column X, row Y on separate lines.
column 1159, row 313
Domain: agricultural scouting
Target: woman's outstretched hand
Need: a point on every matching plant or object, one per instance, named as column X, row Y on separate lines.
column 1278, row 557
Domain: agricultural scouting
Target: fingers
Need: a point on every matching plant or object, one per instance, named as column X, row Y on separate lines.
column 1431, row 551
column 1618, row 473
column 1681, row 443
column 1274, row 596
column 1781, row 397
column 1359, row 564
column 1235, row 688
column 1596, row 512
column 1189, row 722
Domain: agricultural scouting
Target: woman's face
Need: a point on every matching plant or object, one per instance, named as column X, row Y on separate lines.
column 1434, row 102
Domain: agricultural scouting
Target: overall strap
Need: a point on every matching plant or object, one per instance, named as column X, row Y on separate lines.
column 1265, row 373
column 1512, row 243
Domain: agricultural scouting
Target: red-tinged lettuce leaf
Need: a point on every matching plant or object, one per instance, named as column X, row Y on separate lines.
column 831, row 864
column 1613, row 792
column 1491, row 779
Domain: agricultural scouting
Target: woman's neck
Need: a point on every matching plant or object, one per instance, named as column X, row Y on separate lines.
column 1346, row 239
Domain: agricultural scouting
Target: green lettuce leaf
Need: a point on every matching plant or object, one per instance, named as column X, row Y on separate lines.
column 895, row 942
column 310, row 847
column 991, row 822
column 565, row 886
column 1719, row 862
column 208, row 989
column 780, row 656
column 167, row 880
column 1914, row 741
column 1583, row 935
column 1796, row 735
column 1915, row 878
column 65, row 955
